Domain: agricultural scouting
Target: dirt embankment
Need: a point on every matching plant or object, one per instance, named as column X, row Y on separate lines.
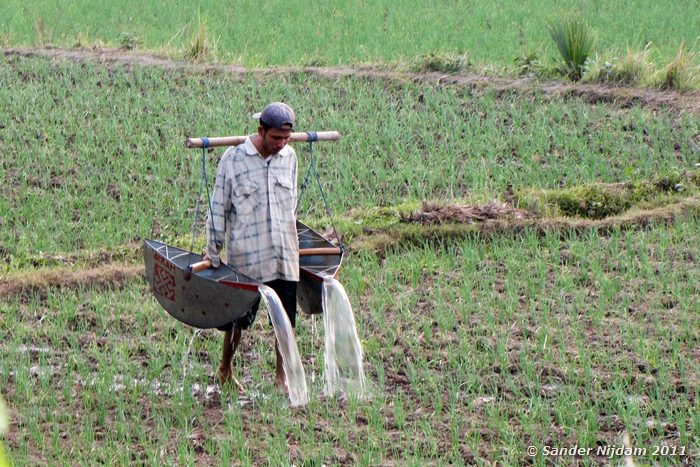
column 39, row 282
column 430, row 222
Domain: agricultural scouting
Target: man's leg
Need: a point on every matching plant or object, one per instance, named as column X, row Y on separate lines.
column 279, row 372
column 232, row 338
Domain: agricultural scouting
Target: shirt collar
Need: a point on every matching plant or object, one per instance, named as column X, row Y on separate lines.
column 251, row 150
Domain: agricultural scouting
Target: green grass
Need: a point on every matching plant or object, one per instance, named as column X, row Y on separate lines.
column 200, row 47
column 575, row 42
column 682, row 73
column 474, row 350
column 101, row 148
column 329, row 33
column 631, row 67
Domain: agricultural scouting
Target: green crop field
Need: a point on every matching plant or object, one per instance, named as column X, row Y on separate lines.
column 474, row 351
column 522, row 259
column 360, row 31
column 106, row 145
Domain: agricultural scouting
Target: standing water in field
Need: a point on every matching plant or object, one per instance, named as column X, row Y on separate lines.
column 343, row 357
column 295, row 378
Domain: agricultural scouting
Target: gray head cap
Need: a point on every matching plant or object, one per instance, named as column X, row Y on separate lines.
column 277, row 115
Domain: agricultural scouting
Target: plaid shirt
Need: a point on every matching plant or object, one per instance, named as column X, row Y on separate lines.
column 253, row 205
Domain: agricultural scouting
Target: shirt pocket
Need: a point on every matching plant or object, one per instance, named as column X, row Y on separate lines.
column 245, row 197
column 284, row 193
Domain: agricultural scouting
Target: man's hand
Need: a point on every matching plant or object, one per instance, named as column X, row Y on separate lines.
column 206, row 257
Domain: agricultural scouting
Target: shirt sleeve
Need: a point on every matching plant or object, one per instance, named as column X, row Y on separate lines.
column 220, row 211
column 294, row 181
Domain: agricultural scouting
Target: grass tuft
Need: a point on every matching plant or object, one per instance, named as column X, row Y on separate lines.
column 574, row 40
column 529, row 64
column 634, row 67
column 200, row 46
column 44, row 34
column 682, row 73
column 445, row 63
column 128, row 41
column 83, row 41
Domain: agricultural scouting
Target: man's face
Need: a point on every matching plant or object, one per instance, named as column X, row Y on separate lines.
column 273, row 140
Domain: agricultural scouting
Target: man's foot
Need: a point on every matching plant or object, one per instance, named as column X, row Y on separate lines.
column 225, row 374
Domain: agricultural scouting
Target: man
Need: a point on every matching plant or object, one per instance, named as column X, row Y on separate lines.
column 253, row 208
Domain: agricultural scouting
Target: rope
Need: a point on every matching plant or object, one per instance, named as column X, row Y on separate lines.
column 313, row 136
column 203, row 182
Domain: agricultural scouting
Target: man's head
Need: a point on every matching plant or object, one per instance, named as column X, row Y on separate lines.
column 277, row 115
column 276, row 124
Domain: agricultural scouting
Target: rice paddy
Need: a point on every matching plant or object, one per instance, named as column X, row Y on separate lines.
column 497, row 327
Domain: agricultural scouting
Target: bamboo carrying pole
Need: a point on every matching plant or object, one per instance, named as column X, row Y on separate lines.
column 206, row 264
column 319, row 251
column 236, row 140
column 200, row 266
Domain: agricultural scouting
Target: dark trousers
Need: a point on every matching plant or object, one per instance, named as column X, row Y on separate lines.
column 285, row 290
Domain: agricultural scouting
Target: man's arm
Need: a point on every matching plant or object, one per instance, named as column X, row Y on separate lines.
column 294, row 181
column 219, row 213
